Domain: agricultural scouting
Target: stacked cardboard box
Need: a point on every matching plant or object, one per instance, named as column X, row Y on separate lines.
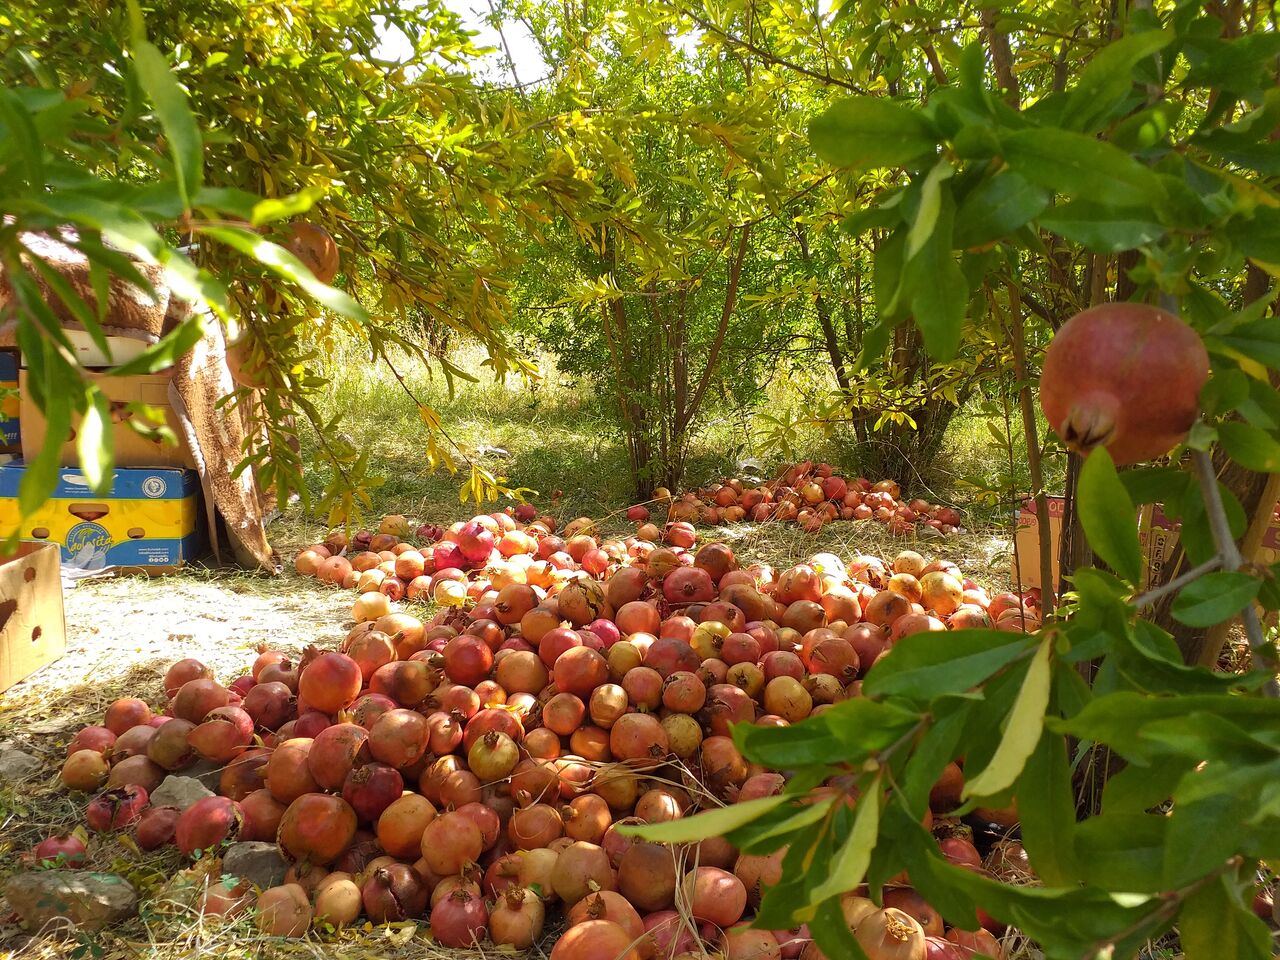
column 148, row 520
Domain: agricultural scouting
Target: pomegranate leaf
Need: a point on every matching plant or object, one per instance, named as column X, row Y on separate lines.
column 923, row 668
column 709, row 823
column 1214, row 924
column 849, row 865
column 1108, row 516
column 1047, row 809
column 1214, row 597
column 1022, row 731
column 867, row 132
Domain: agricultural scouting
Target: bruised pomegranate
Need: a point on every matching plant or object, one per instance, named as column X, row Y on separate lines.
column 371, row 789
column 156, row 827
column 115, row 808
column 335, row 752
column 1124, row 376
column 394, row 892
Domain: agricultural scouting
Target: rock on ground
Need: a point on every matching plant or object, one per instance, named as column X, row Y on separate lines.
column 260, row 863
column 179, row 792
column 16, row 765
column 89, row 900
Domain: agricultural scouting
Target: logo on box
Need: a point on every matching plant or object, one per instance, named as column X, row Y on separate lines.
column 154, row 487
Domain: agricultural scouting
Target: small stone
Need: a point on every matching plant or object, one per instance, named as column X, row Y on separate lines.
column 16, row 765
column 88, row 900
column 179, row 792
column 207, row 772
column 260, row 863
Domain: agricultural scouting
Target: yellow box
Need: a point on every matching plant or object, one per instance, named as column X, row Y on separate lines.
column 149, row 518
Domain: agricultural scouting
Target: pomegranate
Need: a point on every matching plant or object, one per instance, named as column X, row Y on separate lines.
column 284, row 911
column 207, row 823
column 582, row 868
column 399, row 737
column 224, row 734
column 394, row 892
column 116, row 808
column 317, row 828
column 1124, row 376
column 401, row 825
column 372, row 788
column 891, row 933
column 493, row 756
column 262, row 815
column 714, row 895
column 270, row 704
column 647, row 875
column 338, row 901
column 126, row 713
column 183, row 672
column 99, row 739
column 66, row 850
column 330, row 682
column 517, row 918
column 450, row 842
column 459, row 920
column 85, row 770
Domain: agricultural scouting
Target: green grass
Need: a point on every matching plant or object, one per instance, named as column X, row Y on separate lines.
column 560, row 437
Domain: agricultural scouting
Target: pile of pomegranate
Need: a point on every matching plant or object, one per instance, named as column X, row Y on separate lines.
column 473, row 767
column 808, row 494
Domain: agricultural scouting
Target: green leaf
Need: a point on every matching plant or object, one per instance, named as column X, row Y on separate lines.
column 94, row 441
column 1105, row 229
column 997, row 207
column 810, row 741
column 1107, row 80
column 1047, row 810
column 928, row 209
column 1022, row 729
column 1108, row 516
column 1122, row 851
column 1257, row 237
column 41, row 474
column 866, row 132
column 280, row 261
column 1080, row 166
column 22, row 134
column 1213, row 925
column 1146, row 128
column 179, row 123
column 938, row 290
column 849, row 865
column 928, row 665
column 709, row 823
column 888, row 281
column 1214, row 597
column 1250, row 447
column 269, row 211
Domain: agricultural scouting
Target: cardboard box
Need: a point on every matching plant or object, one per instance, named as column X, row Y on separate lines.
column 1026, row 542
column 32, row 629
column 149, row 520
column 10, row 435
column 1157, row 535
column 131, row 449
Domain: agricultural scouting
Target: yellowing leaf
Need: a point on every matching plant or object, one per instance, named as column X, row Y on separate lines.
column 850, row 863
column 1021, row 732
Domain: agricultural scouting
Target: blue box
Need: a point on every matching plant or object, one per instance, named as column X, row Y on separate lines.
column 148, row 519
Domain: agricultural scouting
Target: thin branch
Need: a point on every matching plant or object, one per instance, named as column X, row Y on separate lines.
column 1176, row 584
column 730, row 300
column 770, row 58
column 1264, row 653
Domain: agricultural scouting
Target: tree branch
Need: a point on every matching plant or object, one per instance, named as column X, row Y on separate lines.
column 730, row 300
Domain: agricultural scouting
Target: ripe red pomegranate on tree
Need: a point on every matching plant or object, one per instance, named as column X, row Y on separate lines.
column 1124, row 376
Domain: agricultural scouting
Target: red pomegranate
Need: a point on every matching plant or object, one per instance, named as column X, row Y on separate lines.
column 1124, row 376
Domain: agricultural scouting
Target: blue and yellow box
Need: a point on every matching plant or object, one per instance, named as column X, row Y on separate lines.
column 10, row 435
column 149, row 518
